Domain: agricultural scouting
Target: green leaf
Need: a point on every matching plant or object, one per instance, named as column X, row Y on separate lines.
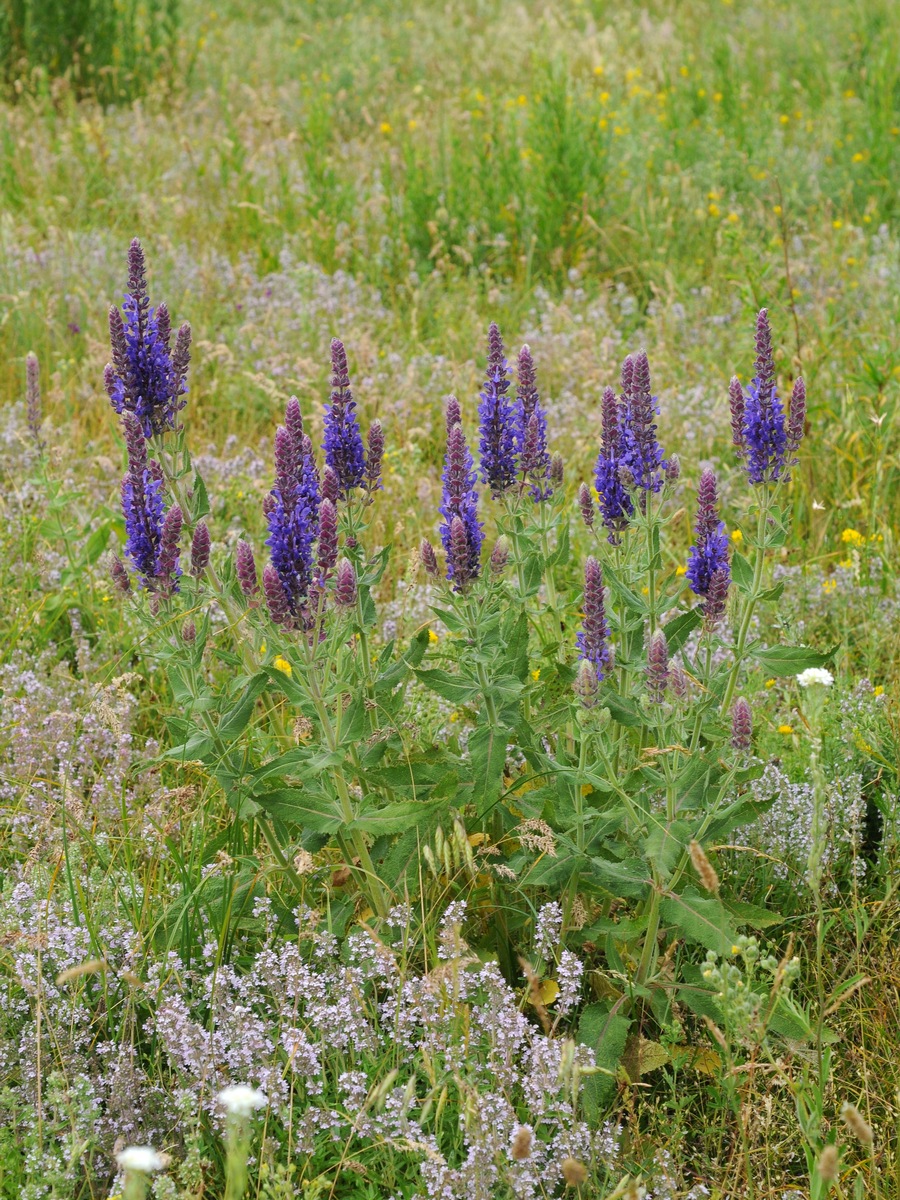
column 353, row 721
column 741, row 573
column 396, row 672
column 622, row 709
column 304, row 807
column 233, row 723
column 451, row 687
column 664, row 845
column 504, row 689
column 97, row 542
column 752, row 914
column 199, row 498
column 701, row 919
column 791, row 660
column 452, row 620
column 199, row 747
column 399, row 817
column 627, row 878
column 631, row 601
column 679, row 629
column 487, row 753
column 606, row 1032
column 562, row 553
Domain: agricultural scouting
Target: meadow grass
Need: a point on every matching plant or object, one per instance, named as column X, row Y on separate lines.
column 595, row 179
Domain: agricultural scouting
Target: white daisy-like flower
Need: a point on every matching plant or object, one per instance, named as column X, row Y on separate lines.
column 141, row 1158
column 815, row 675
column 241, row 1100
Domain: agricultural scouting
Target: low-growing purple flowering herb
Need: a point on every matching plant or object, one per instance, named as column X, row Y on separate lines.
column 146, row 377
column 343, row 442
column 593, row 637
column 709, row 552
column 460, row 500
column 497, row 420
column 616, row 505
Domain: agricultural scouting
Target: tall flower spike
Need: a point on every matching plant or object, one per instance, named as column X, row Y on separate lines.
column 330, row 489
column 293, row 423
column 586, row 505
column 143, row 377
column 741, row 726
column 497, row 420
column 736, row 403
column 657, row 667
column 374, row 458
column 33, row 414
column 557, row 470
column 458, row 557
column 460, row 499
column 616, row 506
column 677, row 680
column 200, row 547
column 709, row 552
column 765, row 437
column 343, row 441
column 641, row 452
column 531, row 429
column 292, row 510
column 245, row 569
column 593, row 637
column 796, row 418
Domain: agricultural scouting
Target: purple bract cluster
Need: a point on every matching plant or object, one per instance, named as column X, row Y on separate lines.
column 709, row 553
column 593, row 637
column 461, row 531
column 292, row 514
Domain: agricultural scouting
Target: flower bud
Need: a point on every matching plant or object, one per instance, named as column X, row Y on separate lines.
column 586, row 505
column 345, row 585
column 500, row 556
column 200, row 546
column 741, row 726
column 657, row 667
column 245, row 569
column 429, row 559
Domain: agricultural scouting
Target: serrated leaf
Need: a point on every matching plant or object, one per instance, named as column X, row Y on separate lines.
column 487, row 753
column 628, row 878
column 303, row 807
column 606, row 1032
column 700, row 919
column 397, row 818
column 199, row 498
column 233, row 723
column 394, row 673
column 741, row 573
column 641, row 1056
column 450, row 687
column 631, row 601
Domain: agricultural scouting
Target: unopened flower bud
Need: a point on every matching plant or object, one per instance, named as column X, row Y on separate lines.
column 677, row 680
column 189, row 633
column 586, row 505
column 673, row 469
column 276, row 597
column 500, row 556
column 345, row 585
column 557, row 470
column 119, row 574
column 741, row 726
column 245, row 569
column 200, row 546
column 657, row 667
column 586, row 686
column 429, row 559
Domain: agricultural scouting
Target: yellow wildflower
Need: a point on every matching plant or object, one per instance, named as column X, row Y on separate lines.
column 737, row 536
column 878, row 691
column 680, row 570
column 433, row 637
column 385, row 127
column 536, row 674
column 785, row 729
column 282, row 664
column 852, row 537
column 770, row 683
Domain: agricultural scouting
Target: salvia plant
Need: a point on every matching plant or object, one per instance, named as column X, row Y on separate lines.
column 600, row 741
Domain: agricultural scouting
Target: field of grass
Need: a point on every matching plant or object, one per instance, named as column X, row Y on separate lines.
column 596, row 179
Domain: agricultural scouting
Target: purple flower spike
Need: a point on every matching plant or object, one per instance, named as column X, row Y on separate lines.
column 119, row 574
column 709, row 552
column 460, row 499
column 586, row 505
column 330, row 489
column 167, row 569
column 764, row 437
column 292, row 510
column 293, row 423
column 142, row 504
column 276, row 597
column 429, row 559
column 343, row 441
column 245, row 569
column 557, row 471
column 716, row 598
column 741, row 726
column 678, row 680
column 345, row 585
column 641, row 452
column 499, row 556
column 531, row 429
column 736, row 403
column 657, row 667
column 616, row 505
column 459, row 566
column 497, row 420
column 328, row 539
column 374, row 458
column 144, row 378
column 796, row 418
column 200, row 547
column 593, row 637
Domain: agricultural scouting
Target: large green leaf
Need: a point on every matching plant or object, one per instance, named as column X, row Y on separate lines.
column 399, row 817
column 233, row 723
column 451, row 687
column 791, row 660
column 304, row 807
column 700, row 919
column 606, row 1031
column 679, row 629
column 487, row 753
column 628, row 878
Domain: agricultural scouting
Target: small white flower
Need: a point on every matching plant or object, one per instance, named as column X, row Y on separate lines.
column 241, row 1100
column 141, row 1158
column 815, row 675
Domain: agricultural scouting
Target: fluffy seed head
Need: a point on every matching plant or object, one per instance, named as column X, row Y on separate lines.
column 704, row 868
column 857, row 1124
